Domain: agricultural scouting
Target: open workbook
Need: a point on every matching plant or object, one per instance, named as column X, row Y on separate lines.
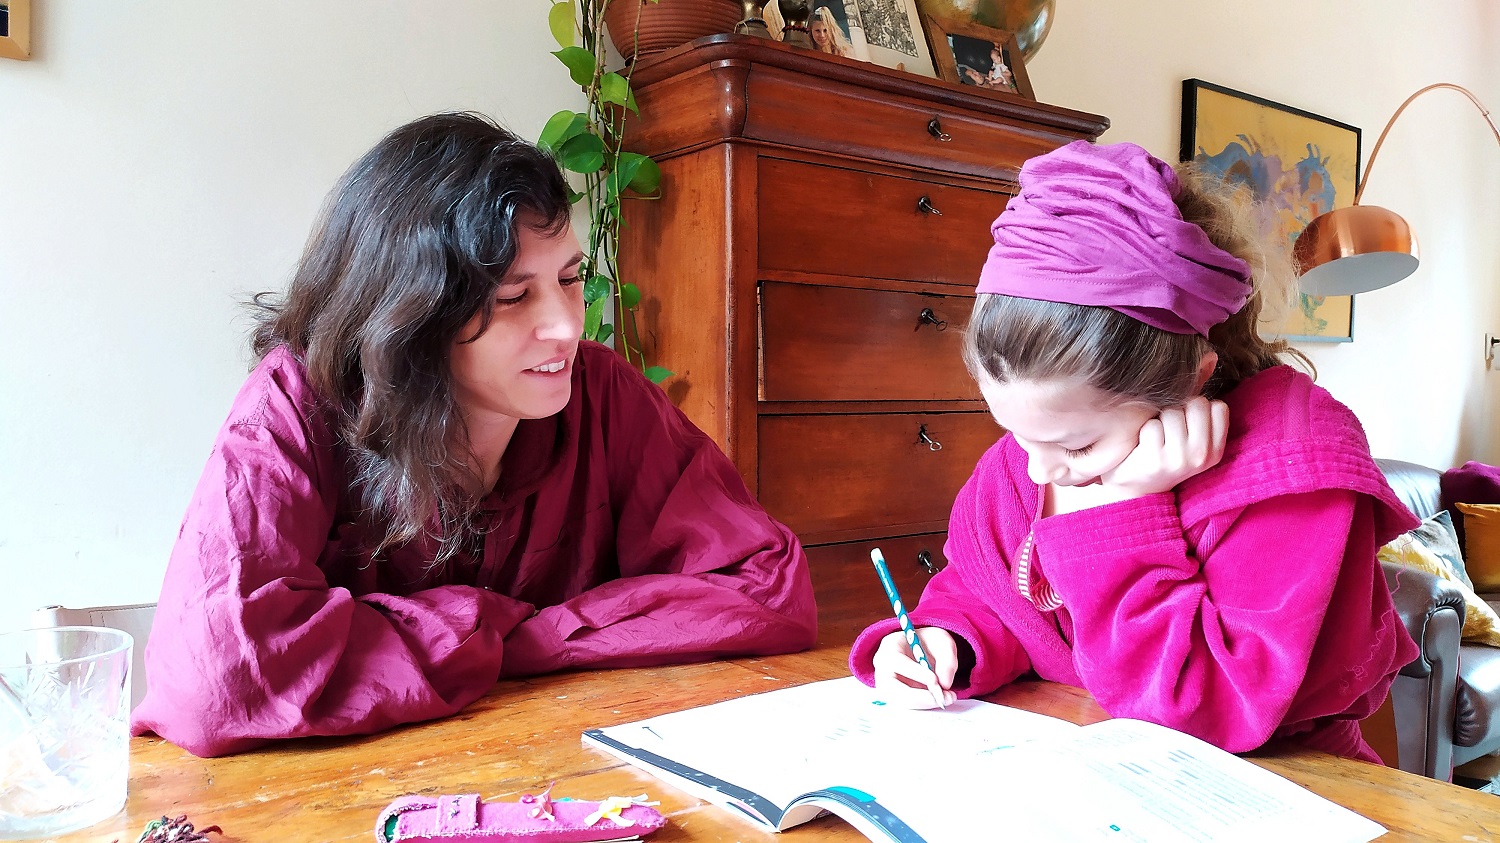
column 976, row 771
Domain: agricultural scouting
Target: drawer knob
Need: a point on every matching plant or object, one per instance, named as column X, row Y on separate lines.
column 935, row 128
column 925, row 206
column 924, row 439
column 925, row 560
column 927, row 317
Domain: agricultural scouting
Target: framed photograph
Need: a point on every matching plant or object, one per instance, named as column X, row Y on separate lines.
column 1296, row 163
column 972, row 54
column 15, row 29
column 892, row 29
column 885, row 32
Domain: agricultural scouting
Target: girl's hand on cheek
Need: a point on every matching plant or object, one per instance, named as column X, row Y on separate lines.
column 1178, row 444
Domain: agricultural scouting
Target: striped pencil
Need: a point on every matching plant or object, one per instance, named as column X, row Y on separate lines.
column 910, row 631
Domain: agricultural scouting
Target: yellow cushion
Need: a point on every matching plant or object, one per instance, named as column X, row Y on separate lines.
column 1481, row 624
column 1482, row 544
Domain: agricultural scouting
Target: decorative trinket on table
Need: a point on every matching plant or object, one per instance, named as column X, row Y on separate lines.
column 177, row 830
column 445, row 819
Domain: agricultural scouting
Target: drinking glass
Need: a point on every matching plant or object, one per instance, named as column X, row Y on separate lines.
column 64, row 728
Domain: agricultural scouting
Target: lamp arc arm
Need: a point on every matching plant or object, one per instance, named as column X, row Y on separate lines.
column 1370, row 164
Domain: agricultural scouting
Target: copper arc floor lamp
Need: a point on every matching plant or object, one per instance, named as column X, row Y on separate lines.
column 1364, row 247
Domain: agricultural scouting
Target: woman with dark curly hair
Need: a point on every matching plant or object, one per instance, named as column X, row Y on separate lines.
column 429, row 482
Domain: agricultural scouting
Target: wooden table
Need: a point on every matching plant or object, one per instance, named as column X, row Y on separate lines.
column 525, row 734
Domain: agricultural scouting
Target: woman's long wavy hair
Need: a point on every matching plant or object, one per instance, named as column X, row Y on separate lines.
column 1014, row 339
column 411, row 245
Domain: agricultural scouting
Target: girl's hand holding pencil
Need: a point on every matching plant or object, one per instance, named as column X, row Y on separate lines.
column 928, row 657
column 903, row 681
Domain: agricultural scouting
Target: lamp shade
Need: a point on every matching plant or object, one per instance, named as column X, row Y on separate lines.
column 1354, row 250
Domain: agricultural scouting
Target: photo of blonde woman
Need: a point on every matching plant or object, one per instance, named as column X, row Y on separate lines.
column 827, row 35
column 844, row 28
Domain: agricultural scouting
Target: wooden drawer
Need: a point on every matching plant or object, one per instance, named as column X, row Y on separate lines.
column 730, row 88
column 834, row 221
column 848, row 592
column 846, row 477
column 847, row 344
column 799, row 109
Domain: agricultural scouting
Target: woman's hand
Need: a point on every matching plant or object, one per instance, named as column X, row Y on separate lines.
column 904, row 681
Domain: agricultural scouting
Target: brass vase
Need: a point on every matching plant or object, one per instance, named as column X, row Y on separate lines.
column 1028, row 19
column 754, row 21
column 794, row 17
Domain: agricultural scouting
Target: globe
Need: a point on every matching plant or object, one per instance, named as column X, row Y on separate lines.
column 1028, row 19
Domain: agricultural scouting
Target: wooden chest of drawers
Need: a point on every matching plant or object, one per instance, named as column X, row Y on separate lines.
column 808, row 273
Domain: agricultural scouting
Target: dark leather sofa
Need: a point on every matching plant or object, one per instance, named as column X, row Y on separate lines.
column 1446, row 702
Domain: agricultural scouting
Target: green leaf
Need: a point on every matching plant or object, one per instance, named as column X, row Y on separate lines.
column 582, row 154
column 595, row 289
column 657, row 374
column 626, row 167
column 630, row 103
column 630, row 296
column 574, row 197
column 614, row 185
column 645, row 175
column 562, row 127
column 580, row 64
column 593, row 317
column 614, row 88
column 605, row 332
column 560, row 20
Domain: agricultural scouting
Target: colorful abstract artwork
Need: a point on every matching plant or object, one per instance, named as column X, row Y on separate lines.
column 1297, row 164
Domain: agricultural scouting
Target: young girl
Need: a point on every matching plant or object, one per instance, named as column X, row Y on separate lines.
column 1174, row 521
column 1000, row 76
column 428, row 482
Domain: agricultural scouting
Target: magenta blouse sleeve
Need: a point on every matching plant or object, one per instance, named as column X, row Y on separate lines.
column 704, row 571
column 950, row 602
column 1217, row 646
column 250, row 643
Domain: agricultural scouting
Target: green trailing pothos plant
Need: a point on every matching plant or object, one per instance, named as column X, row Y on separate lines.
column 590, row 143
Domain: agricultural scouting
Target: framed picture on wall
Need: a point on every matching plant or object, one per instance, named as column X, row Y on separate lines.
column 1296, row 163
column 973, row 54
column 15, row 29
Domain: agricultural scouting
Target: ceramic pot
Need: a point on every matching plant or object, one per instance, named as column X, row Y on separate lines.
column 667, row 23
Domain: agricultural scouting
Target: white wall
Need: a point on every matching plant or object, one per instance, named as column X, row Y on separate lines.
column 1414, row 374
column 161, row 161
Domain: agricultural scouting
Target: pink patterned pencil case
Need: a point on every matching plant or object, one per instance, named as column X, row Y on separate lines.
column 464, row 819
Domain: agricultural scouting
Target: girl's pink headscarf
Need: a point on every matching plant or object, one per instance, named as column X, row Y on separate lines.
column 1096, row 225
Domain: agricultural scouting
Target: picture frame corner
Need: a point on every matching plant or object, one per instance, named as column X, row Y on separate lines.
column 15, row 43
column 941, row 32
